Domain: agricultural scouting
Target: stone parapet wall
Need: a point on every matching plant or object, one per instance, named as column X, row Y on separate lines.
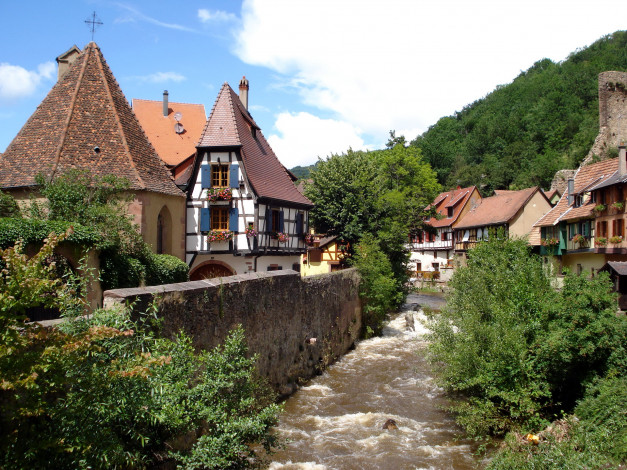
column 279, row 311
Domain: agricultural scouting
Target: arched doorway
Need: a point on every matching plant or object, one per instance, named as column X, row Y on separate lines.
column 164, row 232
column 210, row 270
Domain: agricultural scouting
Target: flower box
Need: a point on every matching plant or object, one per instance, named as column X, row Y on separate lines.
column 616, row 240
column 580, row 240
column 618, row 206
column 251, row 232
column 599, row 208
column 219, row 194
column 600, row 241
column 282, row 237
column 550, row 242
column 219, row 236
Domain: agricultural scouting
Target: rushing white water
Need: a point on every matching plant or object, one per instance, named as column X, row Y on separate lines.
column 336, row 422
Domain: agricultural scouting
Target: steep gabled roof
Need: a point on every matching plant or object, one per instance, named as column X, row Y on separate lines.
column 230, row 125
column 173, row 147
column 455, row 198
column 85, row 122
column 586, row 178
column 498, row 209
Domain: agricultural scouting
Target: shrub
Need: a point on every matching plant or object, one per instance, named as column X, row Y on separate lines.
column 8, row 206
column 596, row 437
column 380, row 291
column 105, row 392
column 520, row 352
column 165, row 269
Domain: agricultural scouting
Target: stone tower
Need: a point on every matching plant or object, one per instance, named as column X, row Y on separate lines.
column 612, row 114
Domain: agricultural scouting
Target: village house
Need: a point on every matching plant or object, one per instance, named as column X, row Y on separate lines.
column 85, row 122
column 432, row 250
column 324, row 255
column 244, row 213
column 586, row 229
column 515, row 212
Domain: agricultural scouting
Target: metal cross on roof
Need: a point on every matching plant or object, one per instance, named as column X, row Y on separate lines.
column 93, row 23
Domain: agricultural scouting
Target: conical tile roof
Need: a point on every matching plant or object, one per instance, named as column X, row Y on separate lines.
column 85, row 122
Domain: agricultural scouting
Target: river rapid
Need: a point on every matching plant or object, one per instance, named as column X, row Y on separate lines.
column 336, row 421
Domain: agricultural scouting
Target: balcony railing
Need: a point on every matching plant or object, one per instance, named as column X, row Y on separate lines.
column 464, row 246
column 439, row 245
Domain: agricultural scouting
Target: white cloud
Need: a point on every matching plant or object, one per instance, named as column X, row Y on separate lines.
column 305, row 137
column 17, row 82
column 160, row 77
column 135, row 14
column 207, row 16
column 403, row 64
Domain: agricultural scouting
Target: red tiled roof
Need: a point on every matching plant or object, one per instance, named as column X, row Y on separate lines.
column 230, row 125
column 455, row 198
column 85, row 110
column 585, row 178
column 498, row 209
column 171, row 146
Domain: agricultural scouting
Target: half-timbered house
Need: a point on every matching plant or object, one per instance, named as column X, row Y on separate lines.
column 244, row 213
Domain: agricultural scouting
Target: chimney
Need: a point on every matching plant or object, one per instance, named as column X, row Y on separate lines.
column 243, row 92
column 165, row 103
column 622, row 159
column 571, row 190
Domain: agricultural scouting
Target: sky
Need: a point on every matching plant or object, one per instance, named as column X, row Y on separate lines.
column 325, row 75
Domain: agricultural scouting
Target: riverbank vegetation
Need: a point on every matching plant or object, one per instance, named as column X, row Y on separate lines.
column 523, row 355
column 371, row 201
column 107, row 391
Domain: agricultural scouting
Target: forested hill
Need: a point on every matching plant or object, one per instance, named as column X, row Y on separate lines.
column 521, row 133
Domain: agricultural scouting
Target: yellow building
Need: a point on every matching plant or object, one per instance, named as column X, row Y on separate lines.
column 324, row 256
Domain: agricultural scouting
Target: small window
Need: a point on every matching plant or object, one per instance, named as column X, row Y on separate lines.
column 219, row 176
column 436, row 266
column 449, row 212
column 220, row 218
column 418, row 267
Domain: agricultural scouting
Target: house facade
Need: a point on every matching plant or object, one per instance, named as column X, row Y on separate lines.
column 431, row 251
column 324, row 255
column 515, row 212
column 244, row 213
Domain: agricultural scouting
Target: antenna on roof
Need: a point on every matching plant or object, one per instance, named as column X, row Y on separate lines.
column 93, row 21
column 178, row 128
column 177, row 116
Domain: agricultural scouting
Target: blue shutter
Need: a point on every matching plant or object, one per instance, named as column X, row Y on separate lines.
column 234, row 176
column 205, row 176
column 233, row 219
column 586, row 229
column 299, row 224
column 205, row 219
column 281, row 222
column 268, row 220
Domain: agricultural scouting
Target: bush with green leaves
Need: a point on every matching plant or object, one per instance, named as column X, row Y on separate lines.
column 165, row 269
column 595, row 437
column 379, row 289
column 106, row 391
column 519, row 351
column 8, row 206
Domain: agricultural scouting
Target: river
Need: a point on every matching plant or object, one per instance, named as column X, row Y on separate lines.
column 336, row 421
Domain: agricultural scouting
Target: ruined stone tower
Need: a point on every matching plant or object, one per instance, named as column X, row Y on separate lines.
column 612, row 114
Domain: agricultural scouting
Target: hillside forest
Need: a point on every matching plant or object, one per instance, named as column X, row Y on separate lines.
column 520, row 134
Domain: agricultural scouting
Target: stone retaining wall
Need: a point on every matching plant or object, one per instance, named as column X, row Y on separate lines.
column 279, row 311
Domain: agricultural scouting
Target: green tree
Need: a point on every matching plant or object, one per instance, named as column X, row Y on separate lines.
column 518, row 350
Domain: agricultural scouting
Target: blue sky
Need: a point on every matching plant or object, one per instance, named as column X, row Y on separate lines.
column 325, row 75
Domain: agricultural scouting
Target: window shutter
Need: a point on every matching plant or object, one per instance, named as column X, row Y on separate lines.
column 234, row 176
column 205, row 176
column 233, row 219
column 586, row 229
column 268, row 220
column 281, row 222
column 205, row 219
column 299, row 224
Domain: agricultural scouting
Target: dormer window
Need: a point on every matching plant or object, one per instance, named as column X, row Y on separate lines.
column 253, row 131
column 449, row 213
